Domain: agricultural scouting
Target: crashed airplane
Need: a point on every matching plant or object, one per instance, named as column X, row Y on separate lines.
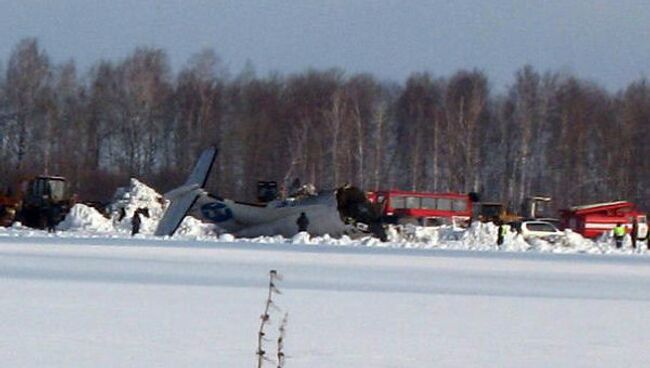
column 344, row 211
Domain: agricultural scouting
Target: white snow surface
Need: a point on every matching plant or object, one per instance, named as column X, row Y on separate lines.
column 72, row 300
column 93, row 296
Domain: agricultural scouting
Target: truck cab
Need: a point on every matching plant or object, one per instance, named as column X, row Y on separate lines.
column 40, row 195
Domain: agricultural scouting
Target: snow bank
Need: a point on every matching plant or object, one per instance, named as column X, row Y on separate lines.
column 482, row 237
column 478, row 237
column 126, row 201
column 82, row 217
column 131, row 198
column 195, row 229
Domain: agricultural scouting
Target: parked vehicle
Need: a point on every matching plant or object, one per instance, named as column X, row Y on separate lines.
column 538, row 229
column 34, row 200
column 423, row 208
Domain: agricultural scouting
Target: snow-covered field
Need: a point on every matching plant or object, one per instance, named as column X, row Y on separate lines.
column 92, row 296
column 77, row 301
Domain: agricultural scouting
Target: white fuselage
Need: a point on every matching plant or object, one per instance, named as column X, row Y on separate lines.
column 275, row 218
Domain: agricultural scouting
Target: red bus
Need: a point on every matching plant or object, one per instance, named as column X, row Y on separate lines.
column 423, row 208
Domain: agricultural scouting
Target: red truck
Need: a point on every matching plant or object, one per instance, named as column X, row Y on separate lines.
column 592, row 220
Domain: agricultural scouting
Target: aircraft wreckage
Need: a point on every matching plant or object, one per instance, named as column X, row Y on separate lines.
column 344, row 211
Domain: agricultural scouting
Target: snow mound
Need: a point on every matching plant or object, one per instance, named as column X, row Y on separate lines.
column 482, row 237
column 301, row 238
column 140, row 196
column 85, row 218
column 478, row 237
column 133, row 197
column 193, row 228
column 126, row 201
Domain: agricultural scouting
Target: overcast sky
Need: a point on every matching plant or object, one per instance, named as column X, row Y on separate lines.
column 606, row 41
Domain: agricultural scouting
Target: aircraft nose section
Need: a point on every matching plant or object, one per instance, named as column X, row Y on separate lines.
column 355, row 209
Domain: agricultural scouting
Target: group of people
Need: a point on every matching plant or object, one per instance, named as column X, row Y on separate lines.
column 637, row 234
column 136, row 221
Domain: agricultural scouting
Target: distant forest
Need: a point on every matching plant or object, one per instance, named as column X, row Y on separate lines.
column 548, row 133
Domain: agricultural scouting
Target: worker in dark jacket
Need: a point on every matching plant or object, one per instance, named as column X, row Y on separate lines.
column 619, row 235
column 121, row 214
column 302, row 222
column 135, row 222
column 51, row 216
column 501, row 233
column 635, row 232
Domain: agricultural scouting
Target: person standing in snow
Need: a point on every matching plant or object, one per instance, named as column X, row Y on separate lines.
column 619, row 234
column 302, row 222
column 635, row 232
column 135, row 222
column 51, row 214
column 642, row 234
column 501, row 233
column 121, row 214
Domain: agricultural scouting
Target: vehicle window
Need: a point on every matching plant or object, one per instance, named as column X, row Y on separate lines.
column 33, row 188
column 444, row 204
column 39, row 187
column 412, row 202
column 397, row 202
column 536, row 226
column 429, row 203
column 434, row 221
column 57, row 190
column 459, row 205
column 543, row 209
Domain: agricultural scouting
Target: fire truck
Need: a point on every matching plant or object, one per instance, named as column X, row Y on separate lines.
column 422, row 208
column 592, row 220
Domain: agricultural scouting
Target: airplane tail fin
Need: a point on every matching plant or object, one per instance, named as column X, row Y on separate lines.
column 182, row 198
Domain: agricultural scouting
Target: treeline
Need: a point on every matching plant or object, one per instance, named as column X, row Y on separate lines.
column 548, row 134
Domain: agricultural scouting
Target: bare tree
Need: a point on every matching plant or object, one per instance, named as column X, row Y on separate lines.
column 466, row 100
column 136, row 117
column 28, row 90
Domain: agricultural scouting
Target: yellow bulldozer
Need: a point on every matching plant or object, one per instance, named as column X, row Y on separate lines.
column 36, row 200
column 532, row 208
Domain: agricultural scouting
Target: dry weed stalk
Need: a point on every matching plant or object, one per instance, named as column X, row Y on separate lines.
column 265, row 319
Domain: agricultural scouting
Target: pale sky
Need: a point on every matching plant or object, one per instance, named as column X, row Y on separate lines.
column 605, row 41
